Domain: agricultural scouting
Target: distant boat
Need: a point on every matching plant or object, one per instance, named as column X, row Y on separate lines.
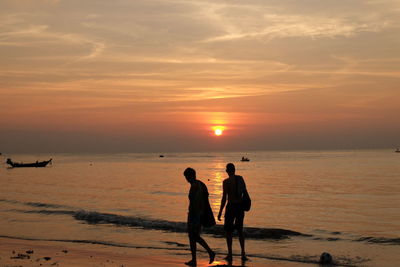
column 245, row 159
column 161, row 156
column 35, row 164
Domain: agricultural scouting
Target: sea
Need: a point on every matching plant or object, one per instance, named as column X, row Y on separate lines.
column 304, row 203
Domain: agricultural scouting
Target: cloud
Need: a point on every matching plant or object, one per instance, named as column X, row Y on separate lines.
column 178, row 50
column 268, row 22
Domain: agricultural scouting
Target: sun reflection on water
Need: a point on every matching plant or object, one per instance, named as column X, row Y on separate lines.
column 215, row 185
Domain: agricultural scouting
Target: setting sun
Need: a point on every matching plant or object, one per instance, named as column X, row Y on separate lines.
column 218, row 130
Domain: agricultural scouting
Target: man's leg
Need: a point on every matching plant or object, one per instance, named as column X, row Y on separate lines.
column 228, row 227
column 229, row 245
column 242, row 247
column 239, row 227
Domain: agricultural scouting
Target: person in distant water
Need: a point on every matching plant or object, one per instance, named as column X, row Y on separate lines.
column 198, row 203
column 233, row 188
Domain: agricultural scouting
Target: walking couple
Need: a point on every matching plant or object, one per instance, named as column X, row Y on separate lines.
column 200, row 213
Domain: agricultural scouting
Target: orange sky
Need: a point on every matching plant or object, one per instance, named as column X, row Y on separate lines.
column 145, row 75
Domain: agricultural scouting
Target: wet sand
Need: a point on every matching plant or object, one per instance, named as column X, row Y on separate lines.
column 16, row 252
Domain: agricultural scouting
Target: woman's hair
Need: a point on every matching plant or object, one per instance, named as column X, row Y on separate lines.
column 190, row 172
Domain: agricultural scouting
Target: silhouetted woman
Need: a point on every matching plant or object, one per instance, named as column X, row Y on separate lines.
column 199, row 209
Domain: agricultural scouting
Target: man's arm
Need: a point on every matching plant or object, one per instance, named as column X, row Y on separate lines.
column 244, row 185
column 223, row 202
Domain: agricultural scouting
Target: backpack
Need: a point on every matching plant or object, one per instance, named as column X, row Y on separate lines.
column 246, row 200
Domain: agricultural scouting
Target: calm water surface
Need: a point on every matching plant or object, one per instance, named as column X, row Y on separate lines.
column 344, row 202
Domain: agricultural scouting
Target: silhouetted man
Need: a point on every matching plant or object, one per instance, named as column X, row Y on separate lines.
column 198, row 208
column 233, row 187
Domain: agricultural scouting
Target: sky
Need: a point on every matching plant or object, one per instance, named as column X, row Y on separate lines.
column 160, row 75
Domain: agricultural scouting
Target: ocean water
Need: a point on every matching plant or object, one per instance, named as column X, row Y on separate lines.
column 304, row 203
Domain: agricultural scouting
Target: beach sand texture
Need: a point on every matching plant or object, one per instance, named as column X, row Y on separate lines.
column 14, row 252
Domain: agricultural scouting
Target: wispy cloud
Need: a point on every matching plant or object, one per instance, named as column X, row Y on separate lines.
column 172, row 50
column 268, row 24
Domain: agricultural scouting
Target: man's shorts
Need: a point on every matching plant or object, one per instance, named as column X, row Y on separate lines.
column 234, row 216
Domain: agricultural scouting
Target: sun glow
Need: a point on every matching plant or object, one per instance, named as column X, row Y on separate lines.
column 218, row 130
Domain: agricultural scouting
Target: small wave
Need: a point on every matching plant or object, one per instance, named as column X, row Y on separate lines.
column 35, row 204
column 43, row 205
column 327, row 232
column 327, row 238
column 93, row 242
column 48, row 212
column 92, row 217
column 8, row 201
column 180, row 227
column 106, row 218
column 380, row 240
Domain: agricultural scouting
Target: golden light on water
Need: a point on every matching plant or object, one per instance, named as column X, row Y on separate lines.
column 215, row 185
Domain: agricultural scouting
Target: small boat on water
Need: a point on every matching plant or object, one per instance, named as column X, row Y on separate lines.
column 245, row 159
column 35, row 164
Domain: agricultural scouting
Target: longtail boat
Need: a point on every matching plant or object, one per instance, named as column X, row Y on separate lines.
column 34, row 164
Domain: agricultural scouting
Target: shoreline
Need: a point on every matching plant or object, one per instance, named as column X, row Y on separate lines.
column 19, row 252
column 22, row 252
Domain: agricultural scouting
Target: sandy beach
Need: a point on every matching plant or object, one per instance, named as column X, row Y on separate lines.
column 16, row 252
